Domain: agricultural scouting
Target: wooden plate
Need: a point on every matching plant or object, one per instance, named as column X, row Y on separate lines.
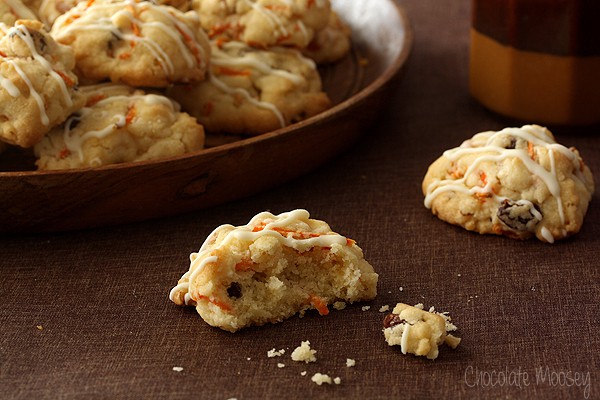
column 32, row 201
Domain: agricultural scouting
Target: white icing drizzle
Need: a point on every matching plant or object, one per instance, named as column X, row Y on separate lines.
column 87, row 19
column 263, row 224
column 20, row 10
column 546, row 234
column 483, row 144
column 404, row 339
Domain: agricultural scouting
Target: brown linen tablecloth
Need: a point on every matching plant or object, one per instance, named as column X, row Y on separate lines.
column 86, row 314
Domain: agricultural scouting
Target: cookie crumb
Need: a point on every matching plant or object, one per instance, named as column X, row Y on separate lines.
column 248, row 358
column 304, row 353
column 339, row 305
column 303, row 373
column 337, row 380
column 39, row 327
column 280, row 365
column 275, row 353
column 177, row 369
column 350, row 362
column 384, row 308
column 401, row 289
column 320, row 379
column 366, row 308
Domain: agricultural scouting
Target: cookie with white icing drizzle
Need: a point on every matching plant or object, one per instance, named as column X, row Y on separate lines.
column 272, row 268
column 250, row 91
column 264, row 23
column 119, row 124
column 516, row 182
column 137, row 43
column 38, row 89
column 13, row 10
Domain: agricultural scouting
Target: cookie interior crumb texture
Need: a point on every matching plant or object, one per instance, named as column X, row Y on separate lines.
column 517, row 182
column 417, row 331
column 272, row 268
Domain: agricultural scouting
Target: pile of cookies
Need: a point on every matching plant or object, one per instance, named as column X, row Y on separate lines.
column 97, row 82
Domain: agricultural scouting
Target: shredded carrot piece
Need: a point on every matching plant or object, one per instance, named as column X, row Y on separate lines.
column 89, row 3
column 233, row 72
column 222, row 305
column 219, row 42
column 2, row 54
column 283, row 38
column 218, row 29
column 68, row 81
column 64, row 153
column 483, row 196
column 319, row 304
column 530, row 150
column 95, row 99
column 497, row 229
column 483, row 177
column 244, row 265
column 131, row 113
column 136, row 29
column 125, row 56
column 350, row 242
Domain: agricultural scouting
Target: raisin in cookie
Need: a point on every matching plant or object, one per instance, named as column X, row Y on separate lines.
column 136, row 43
column 517, row 182
column 37, row 85
column 251, row 91
column 264, row 23
column 417, row 331
column 119, row 124
column 272, row 268
column 13, row 10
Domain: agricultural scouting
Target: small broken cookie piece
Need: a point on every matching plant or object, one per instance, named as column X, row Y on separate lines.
column 517, row 182
column 38, row 89
column 119, row 124
column 272, row 268
column 137, row 43
column 417, row 331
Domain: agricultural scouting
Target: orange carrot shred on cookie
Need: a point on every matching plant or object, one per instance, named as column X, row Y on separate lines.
column 70, row 82
column 95, row 99
column 244, row 265
column 319, row 304
column 483, row 177
column 64, row 153
column 232, row 71
column 131, row 112
column 530, row 150
column 223, row 306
